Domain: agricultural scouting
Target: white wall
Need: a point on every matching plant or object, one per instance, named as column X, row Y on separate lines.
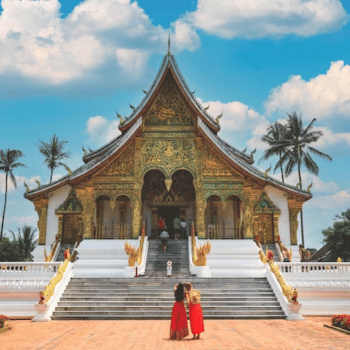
column 56, row 198
column 279, row 199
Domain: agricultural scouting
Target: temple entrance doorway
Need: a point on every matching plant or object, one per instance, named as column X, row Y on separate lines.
column 169, row 214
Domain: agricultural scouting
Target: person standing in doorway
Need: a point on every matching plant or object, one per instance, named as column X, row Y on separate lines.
column 161, row 225
column 183, row 228
column 177, row 227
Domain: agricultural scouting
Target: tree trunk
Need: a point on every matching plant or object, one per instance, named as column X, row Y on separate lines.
column 301, row 211
column 281, row 170
column 3, row 214
column 51, row 175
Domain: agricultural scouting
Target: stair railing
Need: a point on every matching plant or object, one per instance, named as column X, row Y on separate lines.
column 135, row 254
column 282, row 248
column 54, row 251
column 199, row 255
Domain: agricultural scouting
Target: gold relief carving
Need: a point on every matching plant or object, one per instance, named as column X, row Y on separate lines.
column 212, row 165
column 123, row 165
column 169, row 107
column 41, row 209
column 168, row 154
column 294, row 207
column 167, row 135
column 223, row 190
column 113, row 187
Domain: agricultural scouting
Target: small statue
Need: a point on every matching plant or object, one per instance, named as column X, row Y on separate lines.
column 38, row 183
column 309, row 188
column 298, row 185
column 217, row 120
column 26, row 186
column 121, row 119
column 42, row 297
column 244, row 150
column 132, row 107
column 84, row 150
column 252, row 153
column 266, row 174
column 206, row 108
column 144, row 91
column 294, row 296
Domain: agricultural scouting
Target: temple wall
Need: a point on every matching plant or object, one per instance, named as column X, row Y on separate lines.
column 279, row 199
column 56, row 198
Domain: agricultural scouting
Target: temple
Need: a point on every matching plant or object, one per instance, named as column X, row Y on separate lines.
column 168, row 161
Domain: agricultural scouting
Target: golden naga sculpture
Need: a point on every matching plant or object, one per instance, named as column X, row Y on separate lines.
column 288, row 292
column 135, row 254
column 199, row 255
column 46, row 294
column 49, row 257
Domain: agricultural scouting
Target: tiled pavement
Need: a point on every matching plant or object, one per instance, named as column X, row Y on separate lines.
column 218, row 335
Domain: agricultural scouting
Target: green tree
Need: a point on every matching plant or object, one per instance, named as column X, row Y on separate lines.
column 53, row 153
column 9, row 250
column 26, row 242
column 8, row 162
column 338, row 238
column 296, row 151
column 275, row 132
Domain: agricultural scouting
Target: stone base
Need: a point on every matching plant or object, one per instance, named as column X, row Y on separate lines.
column 295, row 312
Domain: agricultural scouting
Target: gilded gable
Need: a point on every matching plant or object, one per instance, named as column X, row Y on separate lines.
column 213, row 165
column 169, row 108
column 123, row 165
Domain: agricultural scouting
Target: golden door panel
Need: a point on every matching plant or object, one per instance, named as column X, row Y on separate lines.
column 70, row 229
column 263, row 227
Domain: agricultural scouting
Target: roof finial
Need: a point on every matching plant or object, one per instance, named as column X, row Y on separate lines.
column 169, row 44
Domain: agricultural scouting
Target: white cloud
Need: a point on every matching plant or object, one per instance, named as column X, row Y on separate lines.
column 19, row 221
column 340, row 199
column 318, row 185
column 37, row 43
column 260, row 18
column 325, row 96
column 20, row 182
column 102, row 130
column 236, row 116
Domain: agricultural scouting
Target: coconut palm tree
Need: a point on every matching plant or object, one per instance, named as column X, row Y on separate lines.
column 297, row 151
column 26, row 241
column 8, row 162
column 53, row 153
column 275, row 132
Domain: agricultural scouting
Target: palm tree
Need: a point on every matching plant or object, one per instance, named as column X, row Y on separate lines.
column 26, row 241
column 53, row 153
column 275, row 132
column 297, row 149
column 8, row 160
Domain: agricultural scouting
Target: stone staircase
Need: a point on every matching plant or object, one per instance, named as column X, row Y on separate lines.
column 153, row 298
column 176, row 252
column 271, row 247
column 60, row 255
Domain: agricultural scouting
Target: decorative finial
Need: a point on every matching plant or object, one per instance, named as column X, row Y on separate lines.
column 169, row 44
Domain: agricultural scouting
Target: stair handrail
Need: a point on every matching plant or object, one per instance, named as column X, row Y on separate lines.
column 287, row 290
column 54, row 251
column 135, row 254
column 199, row 255
column 49, row 290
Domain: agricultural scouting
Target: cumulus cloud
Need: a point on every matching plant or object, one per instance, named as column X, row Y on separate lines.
column 324, row 96
column 261, row 18
column 236, row 116
column 115, row 36
column 318, row 185
column 337, row 200
column 102, row 130
column 19, row 221
column 20, row 182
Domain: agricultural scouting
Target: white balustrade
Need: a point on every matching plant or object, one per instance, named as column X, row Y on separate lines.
column 314, row 267
column 27, row 268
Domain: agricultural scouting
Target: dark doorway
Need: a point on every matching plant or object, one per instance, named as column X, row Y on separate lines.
column 169, row 214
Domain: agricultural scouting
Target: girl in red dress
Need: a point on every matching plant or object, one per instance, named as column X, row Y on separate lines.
column 195, row 309
column 178, row 326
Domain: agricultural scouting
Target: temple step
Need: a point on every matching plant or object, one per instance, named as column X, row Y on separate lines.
column 153, row 298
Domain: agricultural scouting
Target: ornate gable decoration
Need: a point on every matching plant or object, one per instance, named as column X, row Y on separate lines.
column 169, row 107
column 123, row 165
column 265, row 204
column 71, row 205
column 212, row 164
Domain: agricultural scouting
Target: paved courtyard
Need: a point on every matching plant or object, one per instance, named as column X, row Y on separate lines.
column 218, row 335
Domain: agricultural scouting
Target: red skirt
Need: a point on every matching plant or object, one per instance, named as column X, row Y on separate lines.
column 178, row 326
column 196, row 318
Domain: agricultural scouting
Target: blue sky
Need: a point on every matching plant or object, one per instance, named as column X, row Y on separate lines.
column 67, row 66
